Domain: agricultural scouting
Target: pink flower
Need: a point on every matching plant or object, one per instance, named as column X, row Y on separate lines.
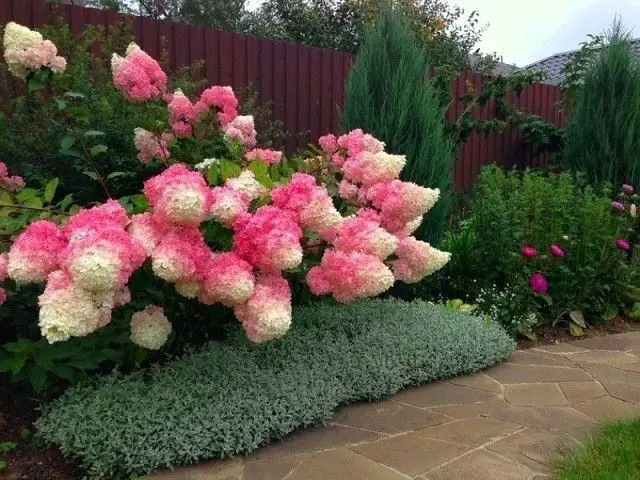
column 348, row 190
column 623, row 244
column 267, row 314
column 627, row 188
column 356, row 141
column 182, row 114
column 364, row 235
column 13, row 183
column 4, row 265
column 348, row 276
column 181, row 255
column 241, row 128
column 328, row 144
column 227, row 204
column 108, row 215
column 147, row 229
column 179, row 195
column 137, row 75
column 417, row 260
column 34, row 254
column 368, row 168
column 556, row 250
column 617, row 206
column 528, row 251
column 269, row 239
column 270, row 157
column 539, row 283
column 25, row 51
column 3, row 296
column 228, row 280
column 221, row 100
column 151, row 146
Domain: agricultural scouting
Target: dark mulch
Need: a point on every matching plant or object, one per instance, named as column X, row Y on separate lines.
column 548, row 335
column 17, row 413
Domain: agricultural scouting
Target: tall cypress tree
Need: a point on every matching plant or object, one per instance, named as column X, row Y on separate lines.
column 390, row 96
column 603, row 136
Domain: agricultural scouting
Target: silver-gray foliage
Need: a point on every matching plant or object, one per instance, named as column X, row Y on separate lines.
column 232, row 397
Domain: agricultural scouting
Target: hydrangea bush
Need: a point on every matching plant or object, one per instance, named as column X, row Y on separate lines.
column 220, row 219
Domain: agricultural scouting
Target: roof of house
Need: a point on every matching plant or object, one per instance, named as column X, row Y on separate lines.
column 555, row 64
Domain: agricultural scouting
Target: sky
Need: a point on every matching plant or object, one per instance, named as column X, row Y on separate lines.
column 524, row 31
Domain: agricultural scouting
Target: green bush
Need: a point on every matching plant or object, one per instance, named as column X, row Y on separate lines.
column 232, row 397
column 511, row 210
column 390, row 96
column 603, row 136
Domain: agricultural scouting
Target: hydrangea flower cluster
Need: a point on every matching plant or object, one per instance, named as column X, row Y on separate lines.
column 26, row 51
column 182, row 114
column 151, row 146
column 86, row 265
column 10, row 183
column 137, row 75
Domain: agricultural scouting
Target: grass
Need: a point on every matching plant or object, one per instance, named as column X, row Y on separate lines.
column 613, row 453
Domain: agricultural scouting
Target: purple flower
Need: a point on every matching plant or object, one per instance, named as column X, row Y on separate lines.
column 539, row 283
column 623, row 244
column 617, row 206
column 626, row 188
column 528, row 251
column 557, row 250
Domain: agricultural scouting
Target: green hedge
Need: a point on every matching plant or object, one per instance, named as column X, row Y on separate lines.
column 232, row 397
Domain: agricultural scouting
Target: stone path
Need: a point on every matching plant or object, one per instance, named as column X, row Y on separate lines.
column 502, row 424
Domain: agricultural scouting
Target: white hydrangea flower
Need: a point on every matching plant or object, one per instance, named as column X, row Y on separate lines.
column 206, row 163
column 150, row 328
column 247, row 184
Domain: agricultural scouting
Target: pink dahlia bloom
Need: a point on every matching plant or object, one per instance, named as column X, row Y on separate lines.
column 179, row 195
column 539, row 283
column 328, row 144
column 617, row 206
column 557, row 250
column 221, row 100
column 270, row 157
column 401, row 202
column 623, row 244
column 528, row 251
column 138, row 76
column 267, row 314
column 228, row 280
column 182, row 255
column 182, row 114
column 227, row 204
column 348, row 276
column 151, row 146
column 417, row 260
column 363, row 235
column 103, row 260
column 242, row 129
column 368, row 168
column 269, row 239
column 34, row 254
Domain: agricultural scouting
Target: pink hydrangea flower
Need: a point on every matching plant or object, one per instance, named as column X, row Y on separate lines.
column 270, row 157
column 348, row 190
column 108, row 215
column 242, row 129
column 4, row 265
column 179, row 195
column 35, row 252
column 138, row 75
column 227, row 204
column 181, row 255
column 368, row 168
column 328, row 144
column 348, row 276
column 539, row 283
column 401, row 202
column 269, row 239
column 417, row 260
column 221, row 100
column 151, row 146
column 356, row 141
column 364, row 235
column 148, row 230
column 228, row 280
column 25, row 50
column 267, row 314
column 528, row 251
column 13, row 183
column 182, row 114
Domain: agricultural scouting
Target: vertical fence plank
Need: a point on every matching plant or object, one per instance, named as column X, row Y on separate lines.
column 211, row 58
column 291, row 92
column 303, row 84
column 315, row 109
column 278, row 90
column 325, row 92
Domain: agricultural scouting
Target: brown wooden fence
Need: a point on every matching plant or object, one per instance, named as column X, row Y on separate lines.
column 305, row 85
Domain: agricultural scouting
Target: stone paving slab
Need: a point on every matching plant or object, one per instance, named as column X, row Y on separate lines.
column 502, row 424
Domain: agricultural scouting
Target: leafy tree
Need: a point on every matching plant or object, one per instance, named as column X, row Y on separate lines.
column 389, row 95
column 603, row 136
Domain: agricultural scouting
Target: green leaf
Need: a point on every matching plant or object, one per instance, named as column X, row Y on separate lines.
column 24, row 345
column 63, row 371
column 140, row 202
column 50, row 189
column 575, row 330
column 67, row 142
column 35, row 84
column 92, row 175
column 93, row 133
column 261, row 172
column 213, row 173
column 65, row 202
column 229, row 169
column 98, row 149
column 118, row 174
column 80, row 113
column 7, row 447
column 3, row 465
column 38, row 378
column 74, row 95
column 578, row 318
column 60, row 103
